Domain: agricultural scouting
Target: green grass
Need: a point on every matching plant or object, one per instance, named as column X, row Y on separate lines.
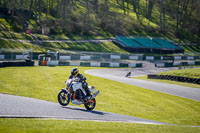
column 21, row 46
column 45, row 82
column 58, row 126
column 24, row 36
column 169, row 82
column 62, row 46
column 15, row 35
column 86, row 46
column 191, row 73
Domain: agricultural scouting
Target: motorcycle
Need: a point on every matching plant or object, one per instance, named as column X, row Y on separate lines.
column 75, row 93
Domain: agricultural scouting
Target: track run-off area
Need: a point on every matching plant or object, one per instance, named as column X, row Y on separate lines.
column 24, row 107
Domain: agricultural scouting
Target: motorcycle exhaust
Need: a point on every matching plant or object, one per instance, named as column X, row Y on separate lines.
column 95, row 94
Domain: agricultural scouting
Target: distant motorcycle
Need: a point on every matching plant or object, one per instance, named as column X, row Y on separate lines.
column 75, row 93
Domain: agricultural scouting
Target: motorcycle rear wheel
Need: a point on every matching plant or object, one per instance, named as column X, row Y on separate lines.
column 63, row 98
column 90, row 105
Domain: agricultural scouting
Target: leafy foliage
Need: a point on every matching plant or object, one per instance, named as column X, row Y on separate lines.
column 174, row 19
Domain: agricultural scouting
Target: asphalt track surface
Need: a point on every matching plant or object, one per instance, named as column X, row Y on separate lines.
column 119, row 75
column 24, row 107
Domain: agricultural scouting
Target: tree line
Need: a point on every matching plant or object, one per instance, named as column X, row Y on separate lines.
column 181, row 17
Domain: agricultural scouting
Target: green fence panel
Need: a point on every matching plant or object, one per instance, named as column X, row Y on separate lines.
column 105, row 64
column 168, row 64
column 35, row 56
column 139, row 65
column 85, row 64
column 184, row 64
column 95, row 57
column 15, row 54
column 196, row 57
column 75, row 57
column 62, row 63
column 8, row 56
column 197, row 62
column 105, row 56
column 123, row 65
column 157, row 57
column 40, row 63
column 126, row 57
column 183, row 57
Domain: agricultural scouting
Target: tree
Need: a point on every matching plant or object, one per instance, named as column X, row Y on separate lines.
column 162, row 4
column 150, row 8
column 136, row 8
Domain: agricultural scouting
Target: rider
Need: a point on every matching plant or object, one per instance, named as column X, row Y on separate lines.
column 74, row 74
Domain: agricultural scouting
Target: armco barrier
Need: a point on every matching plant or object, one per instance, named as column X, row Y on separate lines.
column 174, row 78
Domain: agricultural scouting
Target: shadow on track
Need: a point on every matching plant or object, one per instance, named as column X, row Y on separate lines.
column 84, row 110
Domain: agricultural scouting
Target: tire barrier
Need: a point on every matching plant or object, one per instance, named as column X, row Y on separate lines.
column 16, row 63
column 174, row 78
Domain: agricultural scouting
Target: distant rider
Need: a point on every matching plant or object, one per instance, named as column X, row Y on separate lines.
column 75, row 74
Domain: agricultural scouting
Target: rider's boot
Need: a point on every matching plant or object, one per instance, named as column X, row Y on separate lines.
column 88, row 94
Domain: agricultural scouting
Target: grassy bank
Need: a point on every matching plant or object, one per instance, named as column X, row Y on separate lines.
column 191, row 73
column 63, row 46
column 45, row 82
column 52, row 126
column 24, row 36
column 94, row 47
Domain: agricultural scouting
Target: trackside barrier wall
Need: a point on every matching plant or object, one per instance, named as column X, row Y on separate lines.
column 175, row 78
column 92, row 64
column 175, row 64
column 97, row 56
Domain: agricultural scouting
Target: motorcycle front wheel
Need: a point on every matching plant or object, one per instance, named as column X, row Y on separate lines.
column 90, row 105
column 63, row 98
